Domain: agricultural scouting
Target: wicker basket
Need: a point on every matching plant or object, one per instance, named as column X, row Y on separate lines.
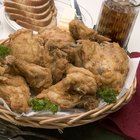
column 72, row 120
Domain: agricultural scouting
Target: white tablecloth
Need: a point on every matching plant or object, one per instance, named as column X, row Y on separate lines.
column 93, row 7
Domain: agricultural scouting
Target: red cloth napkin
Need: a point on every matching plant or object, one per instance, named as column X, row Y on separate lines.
column 126, row 121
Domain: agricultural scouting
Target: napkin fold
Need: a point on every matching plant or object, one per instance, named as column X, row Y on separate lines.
column 126, row 121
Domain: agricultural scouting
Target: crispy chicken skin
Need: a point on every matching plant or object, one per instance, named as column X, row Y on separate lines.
column 58, row 55
column 26, row 46
column 72, row 90
column 69, row 51
column 37, row 77
column 80, row 31
column 56, row 34
column 108, row 61
column 15, row 91
column 2, row 70
column 66, row 67
column 56, row 60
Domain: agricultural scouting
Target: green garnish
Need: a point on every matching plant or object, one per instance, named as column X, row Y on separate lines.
column 107, row 94
column 4, row 51
column 43, row 104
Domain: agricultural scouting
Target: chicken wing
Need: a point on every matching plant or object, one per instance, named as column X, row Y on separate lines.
column 15, row 92
column 80, row 31
column 72, row 90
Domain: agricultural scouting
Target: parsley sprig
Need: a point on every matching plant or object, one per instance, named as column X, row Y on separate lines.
column 4, row 51
column 107, row 94
column 43, row 104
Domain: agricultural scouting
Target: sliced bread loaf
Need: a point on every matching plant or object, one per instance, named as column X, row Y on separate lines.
column 31, row 2
column 41, row 22
column 42, row 15
column 33, row 9
column 30, row 15
column 35, row 27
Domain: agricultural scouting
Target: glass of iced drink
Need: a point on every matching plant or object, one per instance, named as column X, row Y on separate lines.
column 116, row 20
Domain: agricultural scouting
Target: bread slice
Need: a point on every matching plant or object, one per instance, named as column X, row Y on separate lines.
column 41, row 22
column 28, row 14
column 35, row 27
column 33, row 9
column 31, row 2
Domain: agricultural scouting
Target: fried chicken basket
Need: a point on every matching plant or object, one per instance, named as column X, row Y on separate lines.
column 70, row 120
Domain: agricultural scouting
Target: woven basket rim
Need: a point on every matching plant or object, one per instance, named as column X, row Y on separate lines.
column 71, row 120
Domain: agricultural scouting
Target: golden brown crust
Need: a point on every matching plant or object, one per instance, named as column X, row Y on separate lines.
column 107, row 61
column 14, row 90
column 56, row 34
column 18, row 32
column 80, row 31
column 64, row 71
column 73, row 89
column 32, row 46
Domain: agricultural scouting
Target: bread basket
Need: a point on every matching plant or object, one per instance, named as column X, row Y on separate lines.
column 72, row 120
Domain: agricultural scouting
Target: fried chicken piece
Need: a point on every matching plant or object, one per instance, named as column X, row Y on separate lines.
column 15, row 92
column 80, row 31
column 56, row 34
column 37, row 77
column 108, row 61
column 56, row 61
column 72, row 90
column 56, row 40
column 2, row 70
column 68, row 51
column 26, row 46
column 57, row 57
